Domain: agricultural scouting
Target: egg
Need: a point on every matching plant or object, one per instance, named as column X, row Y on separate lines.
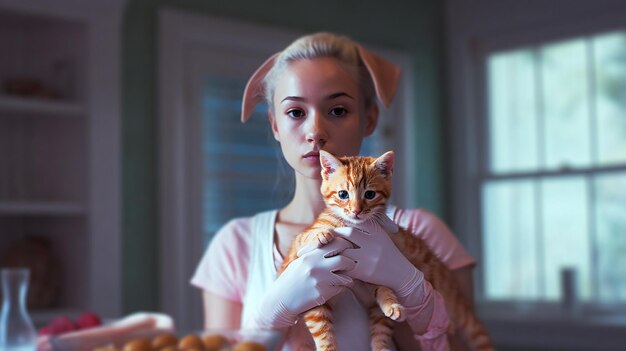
column 163, row 340
column 214, row 342
column 191, row 341
column 138, row 345
column 249, row 346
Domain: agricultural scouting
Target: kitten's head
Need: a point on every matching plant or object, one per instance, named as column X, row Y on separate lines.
column 356, row 188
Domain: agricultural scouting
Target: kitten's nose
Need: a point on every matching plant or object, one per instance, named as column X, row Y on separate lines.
column 357, row 211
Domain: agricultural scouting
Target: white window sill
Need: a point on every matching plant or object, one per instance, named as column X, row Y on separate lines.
column 556, row 332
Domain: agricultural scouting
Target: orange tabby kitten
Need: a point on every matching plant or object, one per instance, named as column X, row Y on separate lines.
column 364, row 185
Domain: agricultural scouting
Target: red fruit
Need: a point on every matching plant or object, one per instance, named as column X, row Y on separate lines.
column 88, row 320
column 61, row 324
column 47, row 330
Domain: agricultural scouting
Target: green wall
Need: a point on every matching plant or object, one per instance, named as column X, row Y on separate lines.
column 412, row 25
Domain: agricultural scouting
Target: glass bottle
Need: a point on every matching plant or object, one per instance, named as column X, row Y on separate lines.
column 17, row 332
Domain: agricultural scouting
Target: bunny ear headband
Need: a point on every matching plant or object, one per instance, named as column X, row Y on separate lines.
column 385, row 76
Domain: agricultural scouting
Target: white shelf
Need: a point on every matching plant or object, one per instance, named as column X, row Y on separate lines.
column 41, row 106
column 37, row 208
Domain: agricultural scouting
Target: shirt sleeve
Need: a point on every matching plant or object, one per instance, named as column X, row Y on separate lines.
column 437, row 235
column 223, row 269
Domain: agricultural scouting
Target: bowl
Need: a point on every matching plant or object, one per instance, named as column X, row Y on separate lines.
column 269, row 339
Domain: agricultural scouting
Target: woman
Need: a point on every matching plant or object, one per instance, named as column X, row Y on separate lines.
column 321, row 93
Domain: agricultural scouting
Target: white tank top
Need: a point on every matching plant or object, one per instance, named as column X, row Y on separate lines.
column 350, row 317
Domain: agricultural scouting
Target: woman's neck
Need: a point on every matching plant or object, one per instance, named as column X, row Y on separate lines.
column 307, row 202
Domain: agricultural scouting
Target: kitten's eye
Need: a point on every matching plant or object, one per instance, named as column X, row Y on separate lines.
column 370, row 194
column 338, row 111
column 342, row 194
column 295, row 113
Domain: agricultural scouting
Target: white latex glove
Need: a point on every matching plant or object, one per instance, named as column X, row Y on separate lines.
column 378, row 260
column 309, row 281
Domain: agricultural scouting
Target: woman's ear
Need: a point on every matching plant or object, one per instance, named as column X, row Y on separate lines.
column 272, row 120
column 371, row 119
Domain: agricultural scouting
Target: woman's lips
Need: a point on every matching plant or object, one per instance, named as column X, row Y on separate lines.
column 312, row 157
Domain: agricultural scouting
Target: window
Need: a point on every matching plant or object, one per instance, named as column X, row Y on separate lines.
column 244, row 172
column 553, row 191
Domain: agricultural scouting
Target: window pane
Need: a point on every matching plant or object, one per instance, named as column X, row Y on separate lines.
column 611, row 236
column 610, row 70
column 565, row 98
column 512, row 112
column 566, row 239
column 244, row 172
column 510, row 240
column 551, row 108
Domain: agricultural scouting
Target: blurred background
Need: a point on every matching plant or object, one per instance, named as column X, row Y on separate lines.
column 122, row 153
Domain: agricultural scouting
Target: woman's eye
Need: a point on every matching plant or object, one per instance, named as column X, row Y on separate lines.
column 370, row 194
column 338, row 111
column 342, row 194
column 295, row 113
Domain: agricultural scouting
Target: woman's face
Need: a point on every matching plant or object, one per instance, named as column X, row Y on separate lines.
column 318, row 104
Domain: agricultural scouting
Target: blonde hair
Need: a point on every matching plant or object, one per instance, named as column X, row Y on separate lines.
column 322, row 45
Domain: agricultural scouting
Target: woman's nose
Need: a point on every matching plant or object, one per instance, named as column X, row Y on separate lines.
column 316, row 129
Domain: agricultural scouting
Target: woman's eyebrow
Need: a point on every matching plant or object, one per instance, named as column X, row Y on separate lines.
column 329, row 97
column 336, row 95
column 293, row 98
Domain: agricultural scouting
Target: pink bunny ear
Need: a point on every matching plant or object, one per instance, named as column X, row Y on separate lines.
column 254, row 92
column 385, row 75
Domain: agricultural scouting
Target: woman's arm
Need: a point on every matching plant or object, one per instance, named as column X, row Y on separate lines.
column 220, row 312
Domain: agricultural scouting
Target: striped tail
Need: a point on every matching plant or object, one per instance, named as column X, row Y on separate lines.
column 320, row 323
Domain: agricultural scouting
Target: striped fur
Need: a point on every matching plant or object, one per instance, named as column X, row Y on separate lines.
column 357, row 176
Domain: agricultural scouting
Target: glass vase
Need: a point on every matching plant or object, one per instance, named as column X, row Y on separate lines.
column 17, row 332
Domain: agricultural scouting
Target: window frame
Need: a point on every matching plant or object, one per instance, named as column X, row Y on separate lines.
column 499, row 44
column 586, row 173
column 471, row 126
column 502, row 26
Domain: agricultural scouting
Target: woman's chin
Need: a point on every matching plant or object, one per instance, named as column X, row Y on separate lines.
column 310, row 172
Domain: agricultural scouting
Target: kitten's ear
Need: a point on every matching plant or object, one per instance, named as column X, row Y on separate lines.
column 330, row 164
column 384, row 164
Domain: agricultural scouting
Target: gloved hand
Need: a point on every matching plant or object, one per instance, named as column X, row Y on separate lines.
column 309, row 281
column 378, row 260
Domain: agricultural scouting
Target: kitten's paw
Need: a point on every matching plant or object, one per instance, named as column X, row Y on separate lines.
column 324, row 238
column 395, row 311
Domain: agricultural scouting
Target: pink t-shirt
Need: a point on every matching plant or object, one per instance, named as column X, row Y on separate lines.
column 223, row 270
